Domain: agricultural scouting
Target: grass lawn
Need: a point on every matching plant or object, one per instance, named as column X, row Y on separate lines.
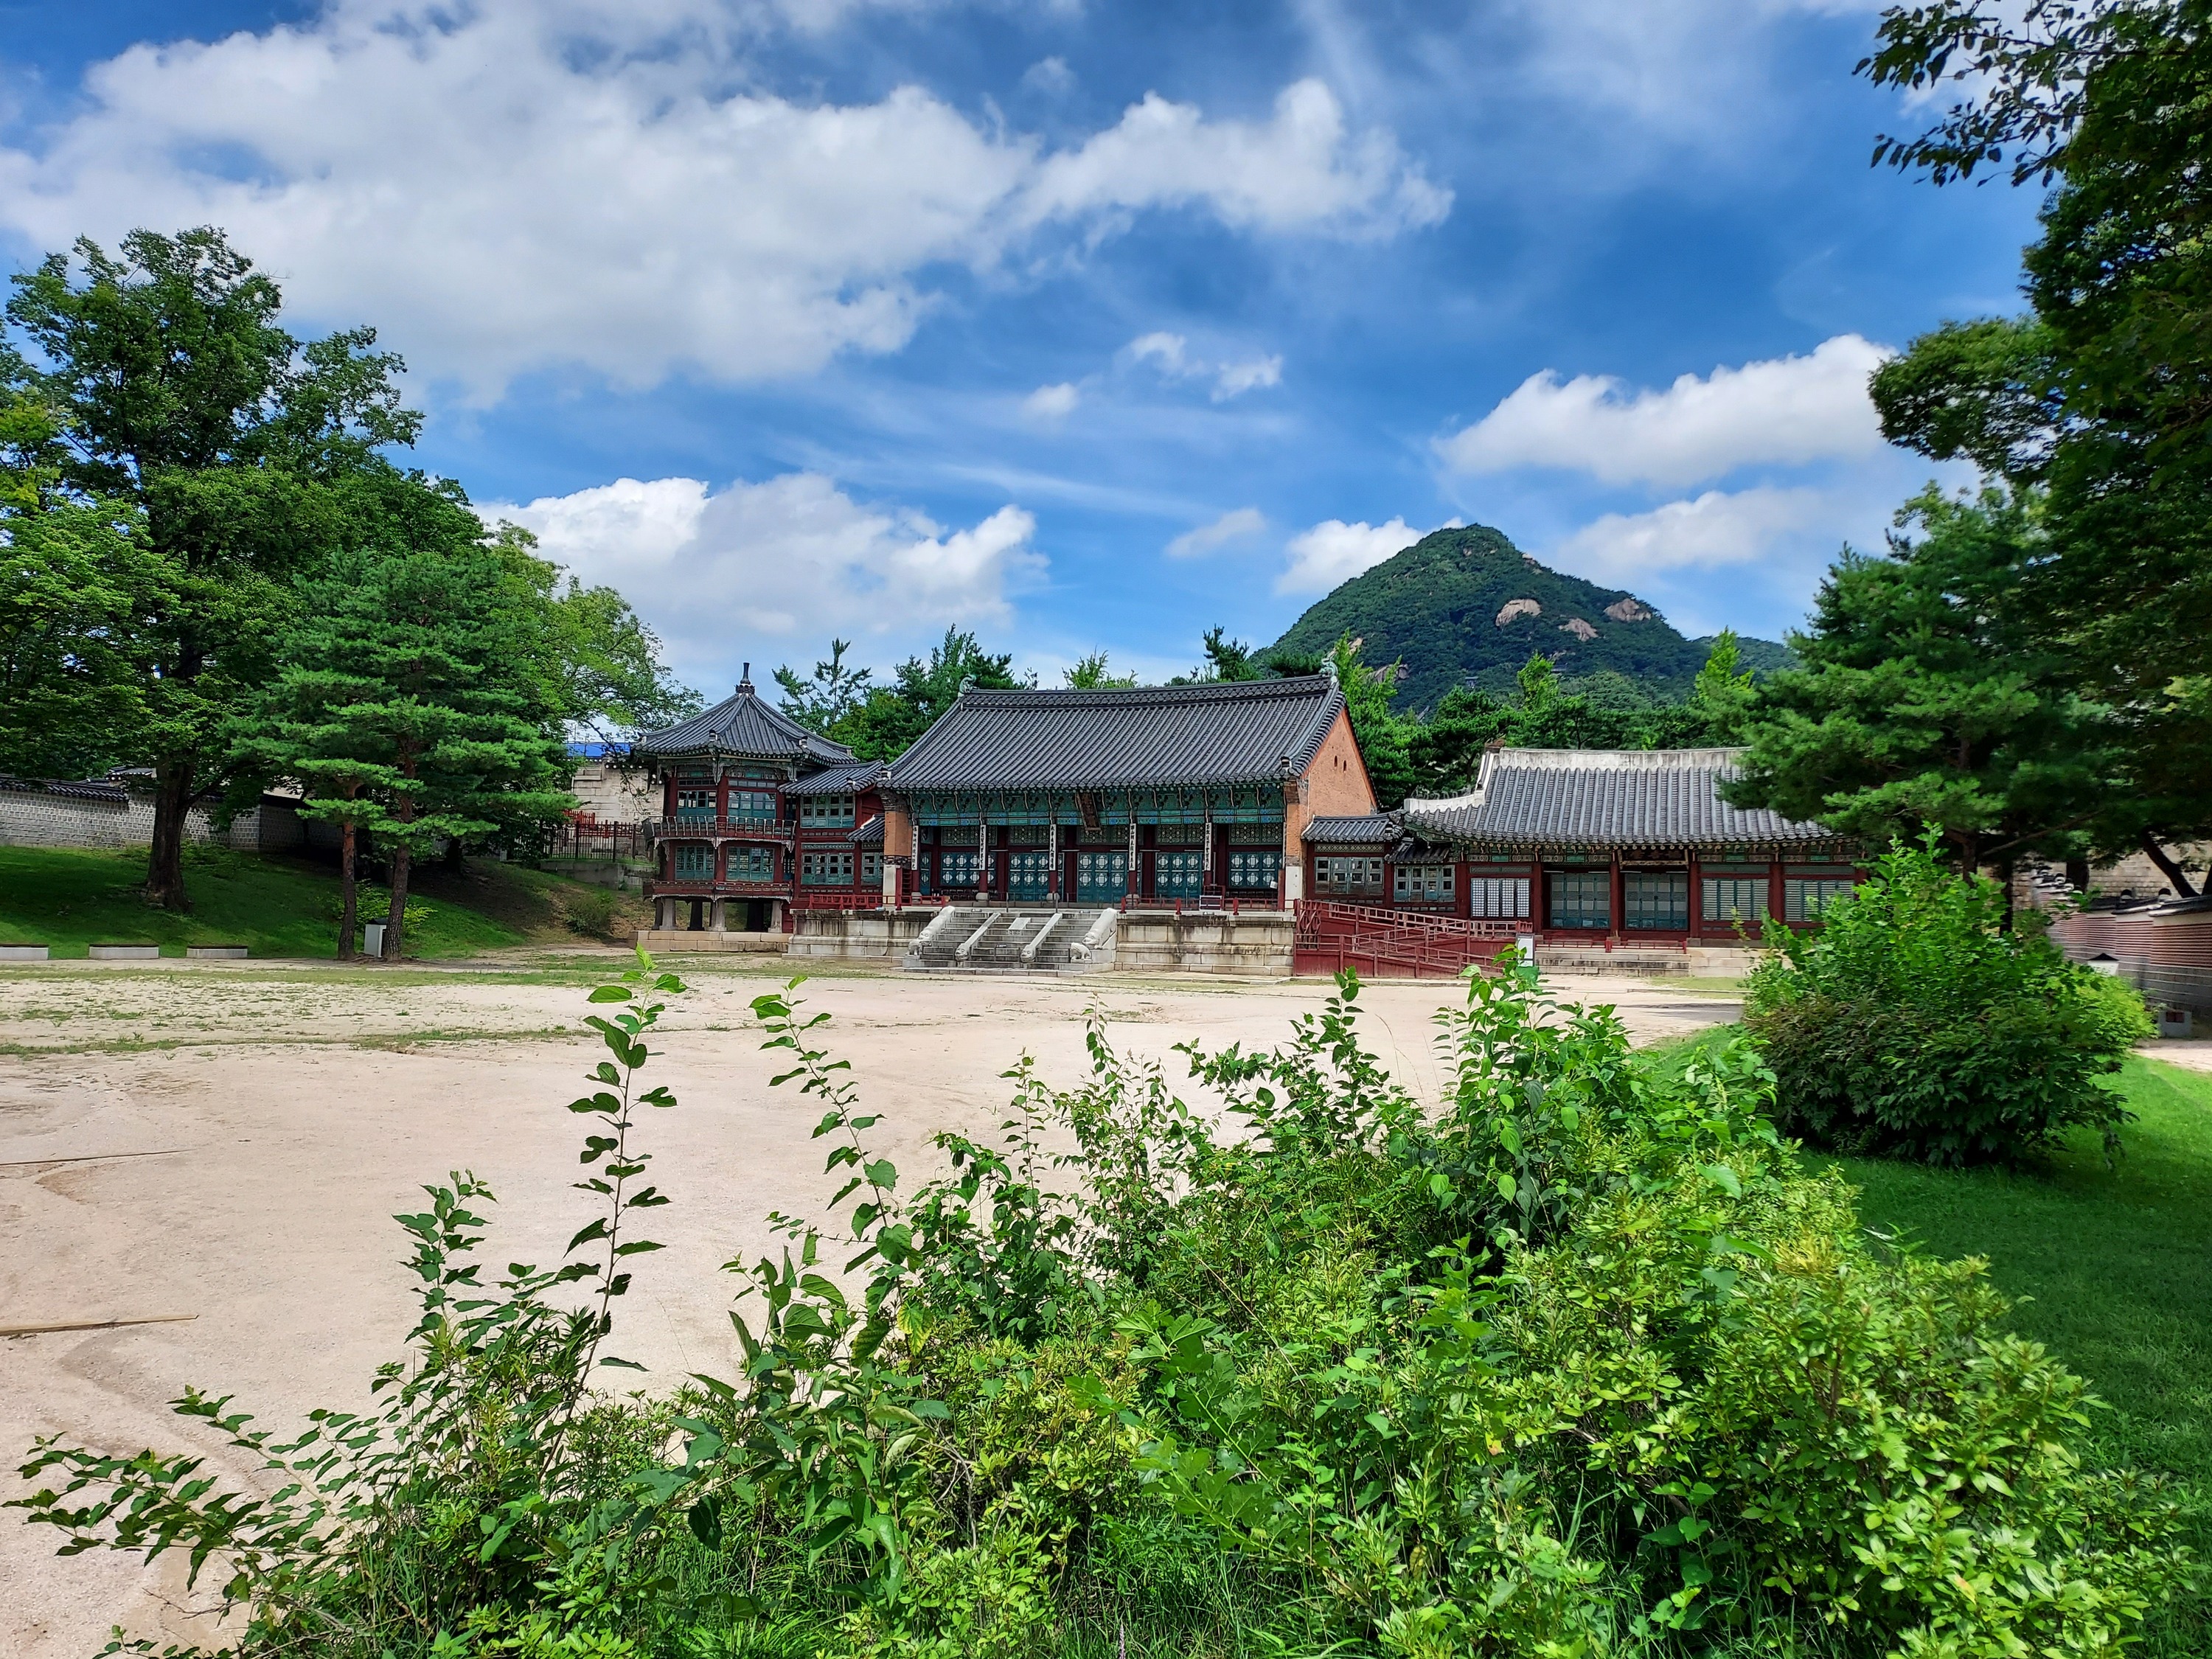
column 2112, row 1269
column 70, row 898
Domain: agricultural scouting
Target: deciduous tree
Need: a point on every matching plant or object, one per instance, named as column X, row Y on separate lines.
column 184, row 398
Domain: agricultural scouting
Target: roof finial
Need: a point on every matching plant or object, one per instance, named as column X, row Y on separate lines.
column 745, row 681
column 966, row 684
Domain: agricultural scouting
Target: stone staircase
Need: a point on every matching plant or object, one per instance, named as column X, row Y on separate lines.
column 981, row 938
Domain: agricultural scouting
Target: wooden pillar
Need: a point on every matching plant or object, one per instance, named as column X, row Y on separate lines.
column 1136, row 865
column 1051, row 856
column 1617, row 921
column 1775, row 891
column 1697, row 895
column 1540, row 897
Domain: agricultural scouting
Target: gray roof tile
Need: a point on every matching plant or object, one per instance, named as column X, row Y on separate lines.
column 742, row 724
column 1150, row 737
column 849, row 778
column 870, row 834
column 1604, row 798
column 1370, row 830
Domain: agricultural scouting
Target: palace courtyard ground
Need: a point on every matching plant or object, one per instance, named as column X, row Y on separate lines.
column 220, row 1147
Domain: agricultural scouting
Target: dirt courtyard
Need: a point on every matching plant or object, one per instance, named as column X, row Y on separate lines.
column 221, row 1147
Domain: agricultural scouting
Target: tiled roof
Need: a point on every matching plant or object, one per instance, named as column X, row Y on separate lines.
column 848, row 779
column 870, row 834
column 1604, row 798
column 742, row 724
column 1370, row 830
column 1150, row 737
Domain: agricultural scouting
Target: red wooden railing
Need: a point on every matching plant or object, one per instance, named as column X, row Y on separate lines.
column 1392, row 943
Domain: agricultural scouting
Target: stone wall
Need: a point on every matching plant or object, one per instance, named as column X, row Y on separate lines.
column 31, row 815
column 884, row 934
column 1252, row 943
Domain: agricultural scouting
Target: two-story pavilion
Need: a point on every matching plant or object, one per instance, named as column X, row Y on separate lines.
column 757, row 814
column 1154, row 795
column 1576, row 845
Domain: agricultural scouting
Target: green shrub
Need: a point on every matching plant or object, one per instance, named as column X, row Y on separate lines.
column 1574, row 1363
column 1915, row 1024
column 592, row 911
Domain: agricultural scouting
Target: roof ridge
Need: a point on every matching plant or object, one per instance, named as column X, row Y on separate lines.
column 1278, row 685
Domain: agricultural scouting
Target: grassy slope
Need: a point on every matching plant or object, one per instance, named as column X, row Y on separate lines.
column 69, row 898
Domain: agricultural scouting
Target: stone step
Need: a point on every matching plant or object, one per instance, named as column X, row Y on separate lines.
column 999, row 949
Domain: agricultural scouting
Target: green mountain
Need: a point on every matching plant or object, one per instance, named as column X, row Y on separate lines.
column 1467, row 607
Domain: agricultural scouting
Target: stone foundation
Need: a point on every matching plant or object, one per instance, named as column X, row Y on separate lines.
column 682, row 941
column 884, row 934
column 1253, row 945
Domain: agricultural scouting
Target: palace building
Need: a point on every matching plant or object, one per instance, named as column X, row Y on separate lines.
column 1158, row 795
column 1232, row 800
column 1572, row 845
column 759, row 816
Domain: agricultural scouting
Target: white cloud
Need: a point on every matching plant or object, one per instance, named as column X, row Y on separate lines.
column 1781, row 410
column 1238, row 525
column 1048, row 75
column 1164, row 348
column 512, row 186
column 1301, row 170
column 1334, row 551
column 1751, row 526
column 1235, row 379
column 1171, row 355
column 792, row 557
column 1049, row 405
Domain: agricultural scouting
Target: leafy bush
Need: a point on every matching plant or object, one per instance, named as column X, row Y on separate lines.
column 1917, row 1024
column 1575, row 1361
column 594, row 912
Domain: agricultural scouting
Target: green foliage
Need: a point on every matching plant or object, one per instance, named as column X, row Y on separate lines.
column 1383, row 736
column 1576, row 1359
column 877, row 722
column 411, row 702
column 2098, row 399
column 1917, row 1024
column 1926, row 697
column 1090, row 673
column 1434, row 610
column 177, row 392
column 1605, row 711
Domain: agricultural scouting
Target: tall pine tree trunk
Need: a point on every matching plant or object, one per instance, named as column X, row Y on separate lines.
column 347, row 838
column 165, row 865
column 393, row 917
column 403, row 808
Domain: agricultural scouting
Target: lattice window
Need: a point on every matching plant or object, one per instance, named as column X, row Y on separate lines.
column 1803, row 900
column 1657, row 901
column 1581, row 898
column 753, row 804
column 1736, row 898
column 1421, row 884
column 826, row 869
column 871, row 869
column 1251, row 870
column 1498, row 897
column 1027, row 875
column 829, row 811
column 751, row 864
column 957, row 871
column 695, row 802
column 1335, row 873
column 695, row 861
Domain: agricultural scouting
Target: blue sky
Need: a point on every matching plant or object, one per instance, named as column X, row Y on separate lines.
column 1083, row 325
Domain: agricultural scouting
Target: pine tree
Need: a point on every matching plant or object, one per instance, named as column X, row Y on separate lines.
column 409, row 702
